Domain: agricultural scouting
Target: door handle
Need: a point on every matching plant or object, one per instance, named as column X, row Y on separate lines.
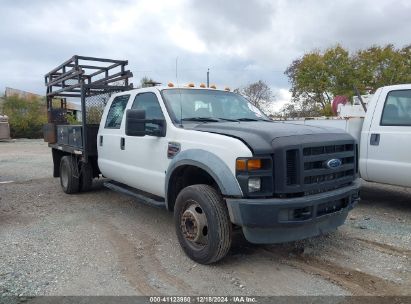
column 122, row 143
column 101, row 140
column 375, row 139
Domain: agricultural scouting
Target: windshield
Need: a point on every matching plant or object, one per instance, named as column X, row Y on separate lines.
column 209, row 106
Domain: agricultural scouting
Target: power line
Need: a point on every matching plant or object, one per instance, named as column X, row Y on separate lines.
column 215, row 69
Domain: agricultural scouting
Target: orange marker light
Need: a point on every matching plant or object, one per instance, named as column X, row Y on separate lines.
column 191, row 85
column 240, row 165
column 202, row 85
column 227, row 89
column 254, row 164
column 213, row 86
column 170, row 84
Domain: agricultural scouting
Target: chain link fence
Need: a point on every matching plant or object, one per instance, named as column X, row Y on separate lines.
column 95, row 103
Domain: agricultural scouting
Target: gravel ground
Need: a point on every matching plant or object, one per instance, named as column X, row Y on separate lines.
column 104, row 243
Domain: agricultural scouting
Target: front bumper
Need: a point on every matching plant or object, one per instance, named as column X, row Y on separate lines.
column 278, row 220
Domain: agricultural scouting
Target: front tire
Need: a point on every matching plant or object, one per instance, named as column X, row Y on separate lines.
column 69, row 179
column 202, row 224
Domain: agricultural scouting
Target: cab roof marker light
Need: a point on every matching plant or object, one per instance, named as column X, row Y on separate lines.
column 213, row 86
column 170, row 85
column 202, row 85
column 227, row 89
column 191, row 85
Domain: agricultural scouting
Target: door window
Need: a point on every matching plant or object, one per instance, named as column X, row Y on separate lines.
column 116, row 112
column 397, row 109
column 149, row 103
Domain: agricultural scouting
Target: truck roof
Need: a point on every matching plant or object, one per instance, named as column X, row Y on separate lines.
column 398, row 86
column 161, row 88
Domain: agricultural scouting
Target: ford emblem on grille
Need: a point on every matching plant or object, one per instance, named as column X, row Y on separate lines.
column 333, row 163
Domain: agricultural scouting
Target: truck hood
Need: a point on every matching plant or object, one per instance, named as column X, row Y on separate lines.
column 259, row 135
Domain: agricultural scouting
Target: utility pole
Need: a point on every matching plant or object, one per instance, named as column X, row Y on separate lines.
column 208, row 77
column 177, row 69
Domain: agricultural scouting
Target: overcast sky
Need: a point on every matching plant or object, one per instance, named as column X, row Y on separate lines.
column 241, row 41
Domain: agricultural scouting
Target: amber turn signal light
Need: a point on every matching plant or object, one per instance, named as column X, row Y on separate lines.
column 250, row 164
column 254, row 164
column 241, row 165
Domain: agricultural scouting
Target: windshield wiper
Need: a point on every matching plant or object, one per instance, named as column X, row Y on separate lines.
column 202, row 119
column 247, row 119
column 214, row 119
column 252, row 119
column 227, row 119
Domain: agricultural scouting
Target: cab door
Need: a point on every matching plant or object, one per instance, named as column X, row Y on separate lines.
column 389, row 139
column 146, row 156
column 111, row 137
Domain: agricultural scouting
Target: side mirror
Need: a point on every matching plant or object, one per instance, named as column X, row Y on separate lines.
column 138, row 125
column 136, row 122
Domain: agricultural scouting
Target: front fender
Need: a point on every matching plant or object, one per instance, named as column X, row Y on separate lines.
column 210, row 163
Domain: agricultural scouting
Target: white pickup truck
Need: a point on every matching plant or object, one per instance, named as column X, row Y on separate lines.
column 383, row 133
column 207, row 155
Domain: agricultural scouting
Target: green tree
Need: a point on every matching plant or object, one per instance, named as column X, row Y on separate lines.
column 339, row 70
column 26, row 116
column 300, row 108
column 317, row 77
column 309, row 79
column 72, row 119
column 380, row 66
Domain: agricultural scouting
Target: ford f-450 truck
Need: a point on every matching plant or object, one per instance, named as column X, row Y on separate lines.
column 207, row 155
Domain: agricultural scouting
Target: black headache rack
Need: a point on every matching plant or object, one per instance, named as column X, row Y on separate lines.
column 88, row 82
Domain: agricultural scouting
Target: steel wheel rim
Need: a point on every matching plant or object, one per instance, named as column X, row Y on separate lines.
column 193, row 225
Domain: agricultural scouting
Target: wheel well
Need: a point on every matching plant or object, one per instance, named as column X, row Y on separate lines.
column 58, row 155
column 185, row 176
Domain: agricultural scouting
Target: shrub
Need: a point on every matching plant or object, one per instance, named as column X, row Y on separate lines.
column 71, row 119
column 26, row 116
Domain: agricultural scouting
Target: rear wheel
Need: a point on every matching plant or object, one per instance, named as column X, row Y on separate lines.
column 69, row 179
column 202, row 224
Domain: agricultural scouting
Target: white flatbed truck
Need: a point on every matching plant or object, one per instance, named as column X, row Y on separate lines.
column 207, row 155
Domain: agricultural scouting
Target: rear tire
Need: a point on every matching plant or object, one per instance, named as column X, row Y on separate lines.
column 69, row 180
column 86, row 177
column 202, row 224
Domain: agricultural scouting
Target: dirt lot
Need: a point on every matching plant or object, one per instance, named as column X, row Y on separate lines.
column 104, row 243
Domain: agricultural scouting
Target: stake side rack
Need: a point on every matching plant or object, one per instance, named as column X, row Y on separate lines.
column 88, row 79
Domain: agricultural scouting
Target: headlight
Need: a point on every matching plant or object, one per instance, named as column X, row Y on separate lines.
column 254, row 184
column 255, row 175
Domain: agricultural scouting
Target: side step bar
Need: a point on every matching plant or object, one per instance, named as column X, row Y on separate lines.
column 139, row 195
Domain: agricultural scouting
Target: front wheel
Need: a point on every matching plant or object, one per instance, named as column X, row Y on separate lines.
column 202, row 224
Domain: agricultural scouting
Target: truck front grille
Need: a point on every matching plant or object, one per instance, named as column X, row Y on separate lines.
column 292, row 163
column 306, row 169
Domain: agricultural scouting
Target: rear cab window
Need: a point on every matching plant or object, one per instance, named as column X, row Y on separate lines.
column 397, row 109
column 116, row 112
